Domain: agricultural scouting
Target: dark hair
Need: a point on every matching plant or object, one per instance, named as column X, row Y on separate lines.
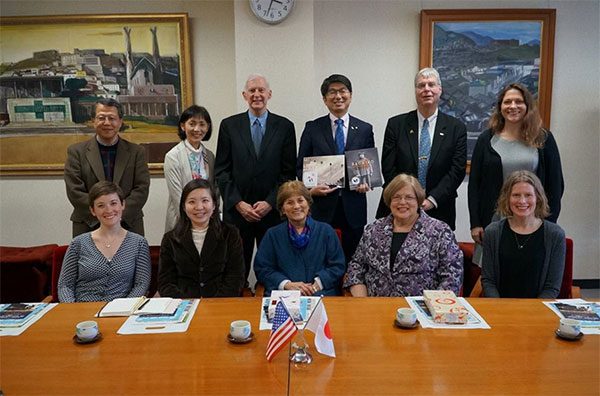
column 109, row 102
column 542, row 210
column 184, row 224
column 104, row 188
column 532, row 133
column 192, row 112
column 335, row 78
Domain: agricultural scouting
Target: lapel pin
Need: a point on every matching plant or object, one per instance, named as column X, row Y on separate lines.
column 441, row 134
column 411, row 131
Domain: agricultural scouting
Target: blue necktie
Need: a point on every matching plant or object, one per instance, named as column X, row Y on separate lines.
column 339, row 136
column 424, row 149
column 256, row 135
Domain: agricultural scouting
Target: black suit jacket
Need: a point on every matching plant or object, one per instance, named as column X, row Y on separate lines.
column 244, row 176
column 217, row 272
column 316, row 140
column 447, row 162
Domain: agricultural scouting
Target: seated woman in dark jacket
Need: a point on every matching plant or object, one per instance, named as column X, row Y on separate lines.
column 300, row 253
column 201, row 256
column 523, row 254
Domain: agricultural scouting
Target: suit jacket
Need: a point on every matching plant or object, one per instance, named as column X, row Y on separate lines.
column 244, row 176
column 317, row 139
column 177, row 174
column 447, row 161
column 217, row 272
column 83, row 169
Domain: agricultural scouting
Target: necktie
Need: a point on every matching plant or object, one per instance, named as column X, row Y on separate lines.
column 256, row 135
column 424, row 149
column 339, row 136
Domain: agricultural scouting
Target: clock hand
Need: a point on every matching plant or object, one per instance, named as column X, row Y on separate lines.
column 276, row 1
column 269, row 9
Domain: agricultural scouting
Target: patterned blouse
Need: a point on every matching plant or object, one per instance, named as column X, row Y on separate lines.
column 429, row 259
column 87, row 275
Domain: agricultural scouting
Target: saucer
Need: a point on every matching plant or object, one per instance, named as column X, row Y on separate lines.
column 91, row 340
column 559, row 334
column 399, row 325
column 236, row 341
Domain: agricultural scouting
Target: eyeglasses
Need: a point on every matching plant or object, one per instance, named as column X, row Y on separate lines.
column 406, row 198
column 110, row 119
column 333, row 92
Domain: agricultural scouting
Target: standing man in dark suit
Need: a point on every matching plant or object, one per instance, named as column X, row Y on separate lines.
column 334, row 134
column 107, row 156
column 429, row 145
column 256, row 153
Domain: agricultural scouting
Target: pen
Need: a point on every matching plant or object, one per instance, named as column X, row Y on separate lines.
column 144, row 303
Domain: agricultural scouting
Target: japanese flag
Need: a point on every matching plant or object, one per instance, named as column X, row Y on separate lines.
column 319, row 324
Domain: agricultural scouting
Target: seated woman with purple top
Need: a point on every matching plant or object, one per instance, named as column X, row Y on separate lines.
column 407, row 251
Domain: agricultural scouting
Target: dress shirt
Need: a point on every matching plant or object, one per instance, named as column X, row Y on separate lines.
column 432, row 122
column 346, row 119
column 262, row 119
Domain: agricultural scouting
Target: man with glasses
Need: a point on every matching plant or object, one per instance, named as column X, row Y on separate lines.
column 107, row 156
column 334, row 134
column 430, row 145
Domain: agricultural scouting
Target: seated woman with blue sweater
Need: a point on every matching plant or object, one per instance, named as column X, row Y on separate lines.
column 300, row 253
column 109, row 262
column 523, row 254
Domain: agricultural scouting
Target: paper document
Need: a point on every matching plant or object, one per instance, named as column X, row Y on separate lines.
column 16, row 318
column 178, row 322
column 159, row 305
column 576, row 308
column 307, row 304
column 475, row 321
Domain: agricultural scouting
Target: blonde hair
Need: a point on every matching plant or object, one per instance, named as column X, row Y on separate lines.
column 398, row 183
column 542, row 210
column 290, row 189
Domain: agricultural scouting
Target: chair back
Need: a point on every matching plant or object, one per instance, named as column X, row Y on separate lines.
column 154, row 260
column 567, row 281
column 471, row 272
column 58, row 255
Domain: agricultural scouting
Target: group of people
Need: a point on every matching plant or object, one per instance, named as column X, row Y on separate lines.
column 315, row 240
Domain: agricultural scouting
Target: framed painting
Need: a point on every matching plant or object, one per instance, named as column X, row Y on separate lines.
column 54, row 68
column 479, row 52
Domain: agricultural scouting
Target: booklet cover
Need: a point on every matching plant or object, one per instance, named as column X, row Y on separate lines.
column 363, row 168
column 326, row 169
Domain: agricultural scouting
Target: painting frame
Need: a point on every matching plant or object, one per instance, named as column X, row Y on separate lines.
column 546, row 17
column 179, row 30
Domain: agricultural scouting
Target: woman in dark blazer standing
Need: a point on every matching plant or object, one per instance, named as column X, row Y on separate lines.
column 201, row 256
column 515, row 141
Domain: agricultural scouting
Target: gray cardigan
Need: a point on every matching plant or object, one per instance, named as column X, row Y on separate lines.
column 552, row 270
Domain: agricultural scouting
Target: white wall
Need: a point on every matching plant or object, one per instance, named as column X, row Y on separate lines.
column 376, row 43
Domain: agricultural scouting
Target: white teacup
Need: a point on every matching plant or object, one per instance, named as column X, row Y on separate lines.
column 240, row 329
column 570, row 327
column 406, row 316
column 86, row 330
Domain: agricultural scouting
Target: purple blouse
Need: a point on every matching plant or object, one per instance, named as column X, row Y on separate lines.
column 429, row 259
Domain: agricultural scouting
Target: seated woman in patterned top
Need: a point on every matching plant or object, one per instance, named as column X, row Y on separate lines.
column 407, row 251
column 109, row 262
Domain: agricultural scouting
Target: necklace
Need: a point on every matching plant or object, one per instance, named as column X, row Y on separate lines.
column 107, row 244
column 521, row 245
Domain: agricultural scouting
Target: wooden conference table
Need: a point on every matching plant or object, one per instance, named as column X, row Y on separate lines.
column 518, row 355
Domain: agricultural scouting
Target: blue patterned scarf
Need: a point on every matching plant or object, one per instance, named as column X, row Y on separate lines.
column 299, row 241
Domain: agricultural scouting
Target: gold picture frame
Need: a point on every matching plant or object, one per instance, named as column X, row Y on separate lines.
column 479, row 51
column 143, row 60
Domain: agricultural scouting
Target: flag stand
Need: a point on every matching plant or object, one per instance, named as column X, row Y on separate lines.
column 301, row 355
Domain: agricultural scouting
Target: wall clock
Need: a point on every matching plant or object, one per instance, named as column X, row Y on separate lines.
column 271, row 11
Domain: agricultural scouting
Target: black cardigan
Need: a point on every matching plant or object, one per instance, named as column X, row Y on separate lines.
column 485, row 180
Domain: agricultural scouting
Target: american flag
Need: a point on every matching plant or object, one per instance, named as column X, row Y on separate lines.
column 282, row 332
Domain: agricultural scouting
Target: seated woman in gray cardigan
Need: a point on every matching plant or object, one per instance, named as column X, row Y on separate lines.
column 523, row 254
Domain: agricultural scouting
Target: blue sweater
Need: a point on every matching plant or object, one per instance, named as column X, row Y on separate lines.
column 277, row 260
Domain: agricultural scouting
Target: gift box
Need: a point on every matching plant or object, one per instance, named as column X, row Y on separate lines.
column 445, row 307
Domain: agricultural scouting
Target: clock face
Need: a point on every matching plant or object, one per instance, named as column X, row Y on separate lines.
column 271, row 11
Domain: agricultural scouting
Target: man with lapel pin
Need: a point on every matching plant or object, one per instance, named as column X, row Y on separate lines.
column 256, row 153
column 333, row 134
column 107, row 156
column 429, row 145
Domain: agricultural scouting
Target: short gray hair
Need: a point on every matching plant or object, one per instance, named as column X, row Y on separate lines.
column 429, row 72
column 256, row 76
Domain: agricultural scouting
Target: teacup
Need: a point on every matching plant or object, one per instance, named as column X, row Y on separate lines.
column 240, row 329
column 406, row 316
column 570, row 327
column 86, row 330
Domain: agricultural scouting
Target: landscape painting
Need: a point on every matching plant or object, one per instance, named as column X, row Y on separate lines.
column 479, row 52
column 53, row 69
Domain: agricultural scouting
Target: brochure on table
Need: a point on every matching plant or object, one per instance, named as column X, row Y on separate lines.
column 576, row 308
column 17, row 317
column 306, row 306
column 159, row 323
column 475, row 320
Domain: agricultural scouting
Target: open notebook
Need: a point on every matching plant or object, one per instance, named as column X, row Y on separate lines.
column 140, row 306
